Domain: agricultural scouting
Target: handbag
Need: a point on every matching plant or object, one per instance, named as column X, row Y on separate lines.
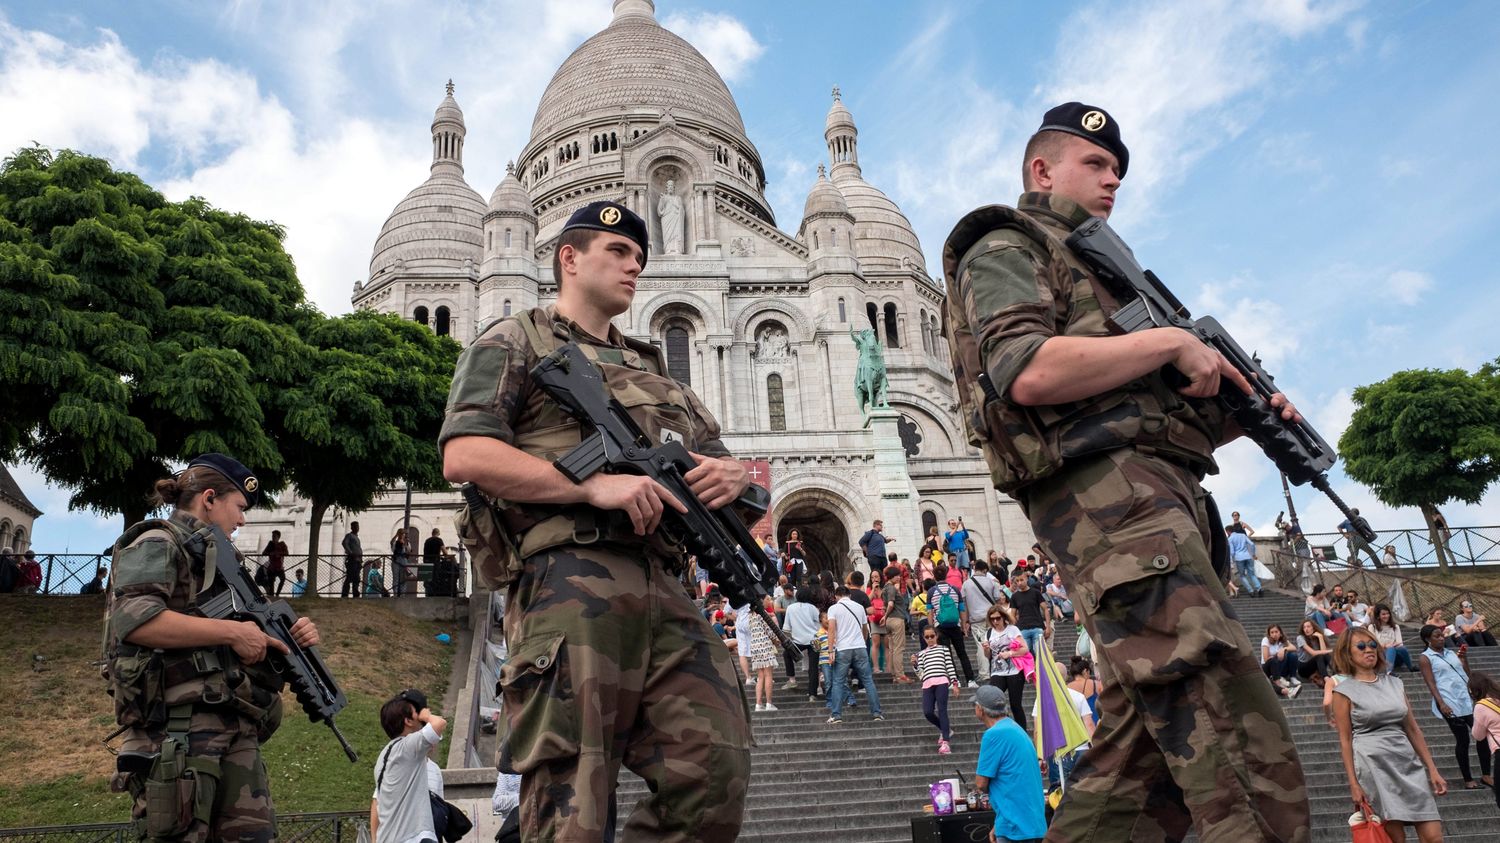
column 448, row 821
column 1365, row 827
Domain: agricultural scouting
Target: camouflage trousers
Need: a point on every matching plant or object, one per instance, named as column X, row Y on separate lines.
column 611, row 663
column 1191, row 733
column 241, row 797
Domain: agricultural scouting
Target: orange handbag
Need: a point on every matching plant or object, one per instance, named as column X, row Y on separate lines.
column 1366, row 827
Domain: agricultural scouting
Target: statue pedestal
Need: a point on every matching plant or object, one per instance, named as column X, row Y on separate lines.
column 897, row 505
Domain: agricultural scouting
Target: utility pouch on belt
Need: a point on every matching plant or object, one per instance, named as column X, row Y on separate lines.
column 496, row 559
column 134, row 677
column 178, row 791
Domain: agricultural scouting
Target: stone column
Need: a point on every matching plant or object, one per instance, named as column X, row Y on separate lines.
column 897, row 506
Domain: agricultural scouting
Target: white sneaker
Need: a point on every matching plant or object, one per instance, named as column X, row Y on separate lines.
column 759, row 707
column 770, row 707
column 1293, row 691
column 750, row 683
column 973, row 684
column 1282, row 683
column 789, row 684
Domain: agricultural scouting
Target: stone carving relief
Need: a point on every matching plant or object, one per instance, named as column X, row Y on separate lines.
column 742, row 247
column 771, row 343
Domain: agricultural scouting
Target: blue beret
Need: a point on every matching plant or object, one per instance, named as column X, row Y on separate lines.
column 614, row 218
column 235, row 472
column 1090, row 123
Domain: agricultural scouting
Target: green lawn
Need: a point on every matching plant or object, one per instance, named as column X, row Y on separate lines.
column 53, row 771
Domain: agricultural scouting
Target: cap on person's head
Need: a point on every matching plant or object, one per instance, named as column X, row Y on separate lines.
column 1091, row 123
column 990, row 698
column 234, row 471
column 415, row 697
column 615, row 219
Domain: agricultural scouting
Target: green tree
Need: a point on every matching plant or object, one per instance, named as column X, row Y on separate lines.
column 1425, row 437
column 135, row 331
column 366, row 413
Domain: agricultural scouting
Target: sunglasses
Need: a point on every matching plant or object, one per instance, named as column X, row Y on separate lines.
column 1365, row 645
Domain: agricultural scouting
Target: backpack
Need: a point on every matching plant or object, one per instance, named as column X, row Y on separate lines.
column 947, row 607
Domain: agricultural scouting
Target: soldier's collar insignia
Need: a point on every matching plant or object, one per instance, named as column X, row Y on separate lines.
column 609, row 215
column 1093, row 121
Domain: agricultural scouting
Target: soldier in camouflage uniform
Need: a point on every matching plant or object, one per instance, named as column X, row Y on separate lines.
column 610, row 662
column 192, row 695
column 1082, row 428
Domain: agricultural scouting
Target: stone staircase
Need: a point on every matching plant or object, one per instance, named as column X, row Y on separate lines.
column 863, row 780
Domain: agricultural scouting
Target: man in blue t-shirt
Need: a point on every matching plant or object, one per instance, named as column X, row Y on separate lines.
column 872, row 543
column 1242, row 551
column 1008, row 770
column 956, row 542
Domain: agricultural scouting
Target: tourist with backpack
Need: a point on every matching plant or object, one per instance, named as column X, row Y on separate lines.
column 946, row 607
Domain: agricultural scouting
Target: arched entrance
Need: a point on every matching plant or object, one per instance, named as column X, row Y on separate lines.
column 823, row 536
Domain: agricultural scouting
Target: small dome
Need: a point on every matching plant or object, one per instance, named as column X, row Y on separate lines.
column 883, row 236
column 509, row 195
column 824, row 198
column 437, row 226
column 448, row 110
column 838, row 116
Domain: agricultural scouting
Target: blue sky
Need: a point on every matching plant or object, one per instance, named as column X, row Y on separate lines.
column 1314, row 174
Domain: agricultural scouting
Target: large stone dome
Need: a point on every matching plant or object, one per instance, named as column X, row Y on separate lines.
column 635, row 66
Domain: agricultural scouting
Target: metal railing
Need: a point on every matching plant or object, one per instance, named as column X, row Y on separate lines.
column 1467, row 546
column 1375, row 586
column 327, row 827
column 67, row 574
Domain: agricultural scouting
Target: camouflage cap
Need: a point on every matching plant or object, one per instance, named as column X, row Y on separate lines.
column 616, row 219
column 1090, row 123
column 234, row 471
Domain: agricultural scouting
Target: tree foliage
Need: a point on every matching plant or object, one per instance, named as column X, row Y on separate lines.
column 367, row 412
column 1423, row 438
column 136, row 333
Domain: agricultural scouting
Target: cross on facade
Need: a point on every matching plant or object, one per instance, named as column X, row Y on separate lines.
column 755, row 473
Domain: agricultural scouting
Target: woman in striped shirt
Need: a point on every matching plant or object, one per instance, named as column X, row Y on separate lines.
column 937, row 674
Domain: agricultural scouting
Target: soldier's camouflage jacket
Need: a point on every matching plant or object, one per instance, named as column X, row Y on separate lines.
column 493, row 395
column 1011, row 269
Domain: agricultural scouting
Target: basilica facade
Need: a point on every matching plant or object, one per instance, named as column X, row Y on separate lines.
column 761, row 322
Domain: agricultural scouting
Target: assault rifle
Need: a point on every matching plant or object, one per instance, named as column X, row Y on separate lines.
column 720, row 540
column 242, row 600
column 1295, row 447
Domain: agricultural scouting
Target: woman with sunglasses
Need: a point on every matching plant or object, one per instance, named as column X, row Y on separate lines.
column 1471, row 627
column 938, row 676
column 1386, row 759
column 1000, row 649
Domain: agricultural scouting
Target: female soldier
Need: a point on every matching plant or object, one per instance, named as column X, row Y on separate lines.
column 192, row 695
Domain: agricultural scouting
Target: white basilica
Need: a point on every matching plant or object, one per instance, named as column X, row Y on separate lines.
column 756, row 319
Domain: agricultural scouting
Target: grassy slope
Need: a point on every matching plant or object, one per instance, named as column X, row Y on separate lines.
column 54, row 771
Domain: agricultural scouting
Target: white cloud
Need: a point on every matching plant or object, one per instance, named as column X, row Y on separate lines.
column 1183, row 76
column 722, row 39
column 1407, row 286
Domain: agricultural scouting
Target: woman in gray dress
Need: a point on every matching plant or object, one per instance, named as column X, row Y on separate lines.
column 1385, row 754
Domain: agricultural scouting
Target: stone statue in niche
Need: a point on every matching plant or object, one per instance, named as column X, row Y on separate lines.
column 772, row 344
column 669, row 215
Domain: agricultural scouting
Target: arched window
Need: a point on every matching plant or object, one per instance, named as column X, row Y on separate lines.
column 937, row 334
column 18, row 541
column 440, row 320
column 776, row 401
column 679, row 366
column 926, row 337
column 505, row 308
column 507, row 238
column 419, row 315
column 874, row 313
column 489, row 239
column 891, row 339
column 815, row 240
column 843, row 317
column 929, row 520
column 614, row 142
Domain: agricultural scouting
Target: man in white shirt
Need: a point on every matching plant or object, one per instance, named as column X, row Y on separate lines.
column 400, row 810
column 802, row 627
column 846, row 634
